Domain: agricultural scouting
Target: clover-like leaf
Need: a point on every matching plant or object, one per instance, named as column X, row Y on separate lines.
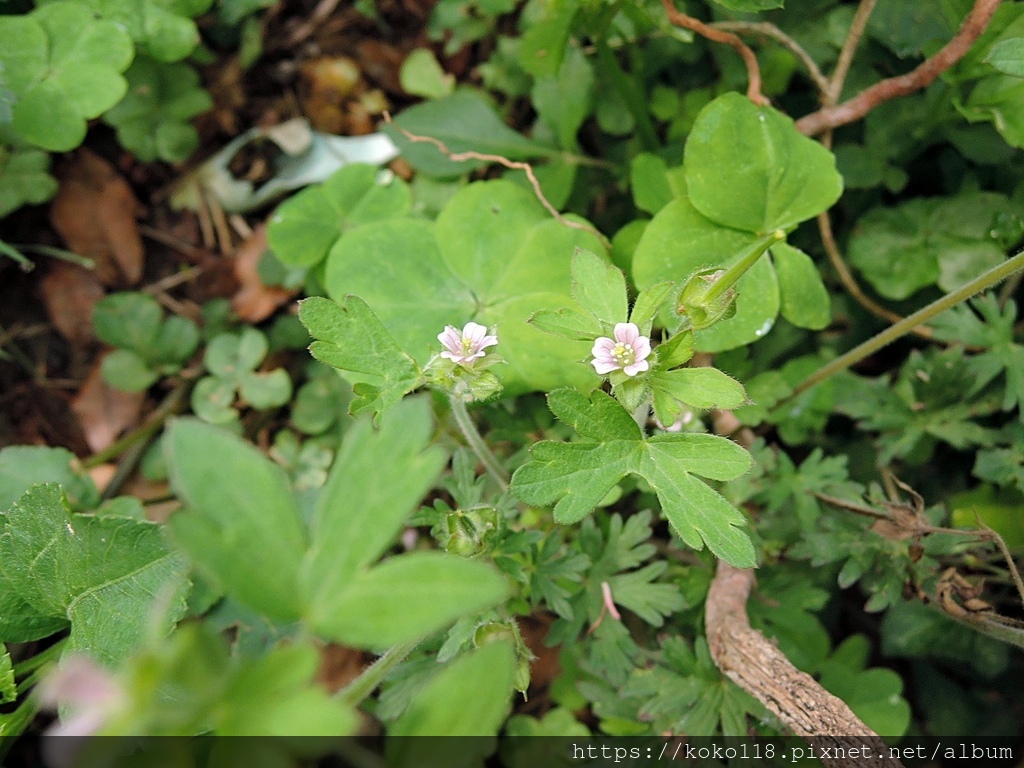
column 577, row 476
column 303, row 229
column 153, row 118
column 24, row 178
column 103, row 575
column 495, row 256
column 64, row 66
column 748, row 167
column 350, row 337
column 163, row 28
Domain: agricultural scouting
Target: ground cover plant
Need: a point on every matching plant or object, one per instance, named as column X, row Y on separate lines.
column 651, row 368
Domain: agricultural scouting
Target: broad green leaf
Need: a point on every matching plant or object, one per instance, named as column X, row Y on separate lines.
column 275, row 695
column 8, row 689
column 350, row 337
column 598, row 287
column 494, row 256
column 128, row 372
column 463, row 122
column 105, row 575
column 648, row 303
column 805, row 300
column 695, row 387
column 128, row 320
column 358, row 513
column 927, row 241
column 153, row 118
column 544, row 42
column 230, row 355
column 568, row 323
column 469, row 697
column 266, row 390
column 22, row 466
column 680, row 241
column 212, row 398
column 24, row 178
column 999, row 99
column 747, row 167
column 64, row 66
column 600, row 417
column 577, row 476
column 564, row 100
column 407, row 597
column 305, row 227
column 422, row 75
column 241, row 523
column 1008, row 56
column 649, row 181
column 163, row 28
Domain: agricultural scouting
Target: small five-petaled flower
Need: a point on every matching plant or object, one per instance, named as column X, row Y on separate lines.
column 466, row 345
column 628, row 351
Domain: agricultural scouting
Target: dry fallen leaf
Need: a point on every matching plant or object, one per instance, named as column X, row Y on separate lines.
column 254, row 301
column 103, row 411
column 94, row 212
column 69, row 293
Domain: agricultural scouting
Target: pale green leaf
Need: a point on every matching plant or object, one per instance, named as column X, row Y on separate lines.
column 1008, row 56
column 805, row 300
column 599, row 287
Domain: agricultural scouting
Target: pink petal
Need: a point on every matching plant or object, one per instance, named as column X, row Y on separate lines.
column 451, row 339
column 488, row 341
column 642, row 347
column 474, row 331
column 635, row 368
column 603, row 366
column 603, row 347
column 626, row 332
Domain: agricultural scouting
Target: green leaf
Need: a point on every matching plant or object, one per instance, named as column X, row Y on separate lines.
column 24, row 177
column 463, row 122
column 598, row 286
column 163, row 28
column 128, row 372
column 408, row 597
column 648, row 303
column 999, row 99
column 748, row 167
column 357, row 516
column 64, row 66
column 1008, row 56
column 128, row 320
column 695, row 387
column 106, row 575
column 266, row 390
column 649, row 181
column 305, row 227
column 564, row 100
column 421, row 75
column 579, row 475
column 22, row 466
column 750, row 6
column 152, row 119
column 241, row 523
column 660, row 256
column 469, row 697
column 805, row 300
column 926, row 241
column 567, row 323
column 350, row 337
column 494, row 256
column 8, row 688
column 544, row 42
column 212, row 398
column 231, row 355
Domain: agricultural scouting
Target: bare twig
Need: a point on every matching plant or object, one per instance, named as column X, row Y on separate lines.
column 922, row 76
column 853, row 36
column 755, row 664
column 461, row 157
column 680, row 19
column 767, row 29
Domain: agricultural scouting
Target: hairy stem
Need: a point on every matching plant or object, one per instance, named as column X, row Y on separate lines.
column 907, row 324
column 355, row 692
column 477, row 444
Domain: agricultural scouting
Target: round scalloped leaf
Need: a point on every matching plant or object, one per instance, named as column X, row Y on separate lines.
column 679, row 241
column 748, row 167
column 494, row 256
column 64, row 66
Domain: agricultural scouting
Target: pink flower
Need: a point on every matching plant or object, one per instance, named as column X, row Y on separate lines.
column 465, row 346
column 628, row 351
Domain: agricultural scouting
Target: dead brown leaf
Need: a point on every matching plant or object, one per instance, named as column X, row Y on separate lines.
column 339, row 666
column 94, row 212
column 254, row 301
column 103, row 411
column 69, row 293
